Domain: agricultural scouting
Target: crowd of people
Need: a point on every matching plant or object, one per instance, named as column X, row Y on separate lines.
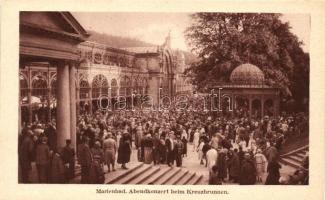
column 233, row 149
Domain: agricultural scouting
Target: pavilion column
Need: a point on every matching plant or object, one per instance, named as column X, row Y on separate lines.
column 276, row 107
column 232, row 104
column 91, row 101
column 73, row 109
column 250, row 107
column 49, row 117
column 262, row 107
column 63, row 104
column 77, row 100
column 30, row 108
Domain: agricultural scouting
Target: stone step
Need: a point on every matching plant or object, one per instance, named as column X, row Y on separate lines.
column 295, row 158
column 195, row 179
column 290, row 162
column 145, row 176
column 168, row 176
column 177, row 177
column 203, row 181
column 303, row 150
column 122, row 174
column 162, row 172
column 136, row 173
column 300, row 155
column 186, row 179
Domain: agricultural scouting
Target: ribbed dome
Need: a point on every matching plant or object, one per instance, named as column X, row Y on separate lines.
column 247, row 74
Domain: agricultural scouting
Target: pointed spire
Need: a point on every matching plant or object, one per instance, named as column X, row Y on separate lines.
column 167, row 40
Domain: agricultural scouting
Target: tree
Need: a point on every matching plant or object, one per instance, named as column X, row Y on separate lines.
column 223, row 41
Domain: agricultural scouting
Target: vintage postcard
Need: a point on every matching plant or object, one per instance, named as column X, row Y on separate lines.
column 162, row 100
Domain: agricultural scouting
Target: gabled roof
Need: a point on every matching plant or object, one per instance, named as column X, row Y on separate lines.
column 74, row 23
column 49, row 35
column 58, row 23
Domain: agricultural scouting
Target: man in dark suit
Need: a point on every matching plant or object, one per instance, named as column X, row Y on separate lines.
column 84, row 158
column 68, row 159
column 178, row 150
column 25, row 154
column 170, row 145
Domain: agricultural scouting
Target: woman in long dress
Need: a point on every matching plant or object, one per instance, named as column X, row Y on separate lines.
column 273, row 168
column 200, row 152
column 124, row 150
column 196, row 139
column 138, row 136
column 261, row 162
column 147, row 147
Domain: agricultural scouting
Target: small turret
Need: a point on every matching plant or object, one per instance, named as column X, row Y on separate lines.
column 167, row 41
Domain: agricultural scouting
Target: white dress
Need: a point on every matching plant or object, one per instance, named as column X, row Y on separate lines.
column 212, row 156
column 200, row 148
column 196, row 139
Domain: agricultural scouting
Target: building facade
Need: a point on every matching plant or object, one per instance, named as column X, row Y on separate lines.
column 102, row 76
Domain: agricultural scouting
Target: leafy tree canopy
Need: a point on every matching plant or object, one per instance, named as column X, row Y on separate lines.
column 223, row 41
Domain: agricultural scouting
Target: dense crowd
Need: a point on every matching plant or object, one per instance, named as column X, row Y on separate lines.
column 233, row 149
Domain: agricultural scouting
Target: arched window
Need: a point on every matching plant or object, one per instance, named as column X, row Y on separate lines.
column 84, row 89
column 114, row 88
column 99, row 86
column 53, row 87
column 146, row 87
column 39, row 86
column 125, row 86
column 135, row 85
column 141, row 86
column 128, row 86
column 165, row 88
column 23, row 84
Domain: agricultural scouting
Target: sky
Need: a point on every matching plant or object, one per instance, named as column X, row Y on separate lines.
column 154, row 27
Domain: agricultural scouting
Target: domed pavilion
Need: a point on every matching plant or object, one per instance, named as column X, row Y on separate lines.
column 247, row 94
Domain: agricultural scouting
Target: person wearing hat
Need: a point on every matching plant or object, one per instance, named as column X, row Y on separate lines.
column 196, row 139
column 42, row 160
column 273, row 169
column 261, row 163
column 84, row 158
column 110, row 148
column 170, row 145
column 213, row 176
column 96, row 171
column 124, row 150
column 147, row 149
column 68, row 154
column 179, row 146
column 248, row 171
column 57, row 169
column 233, row 166
column 25, row 150
column 222, row 163
column 156, row 152
column 50, row 133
